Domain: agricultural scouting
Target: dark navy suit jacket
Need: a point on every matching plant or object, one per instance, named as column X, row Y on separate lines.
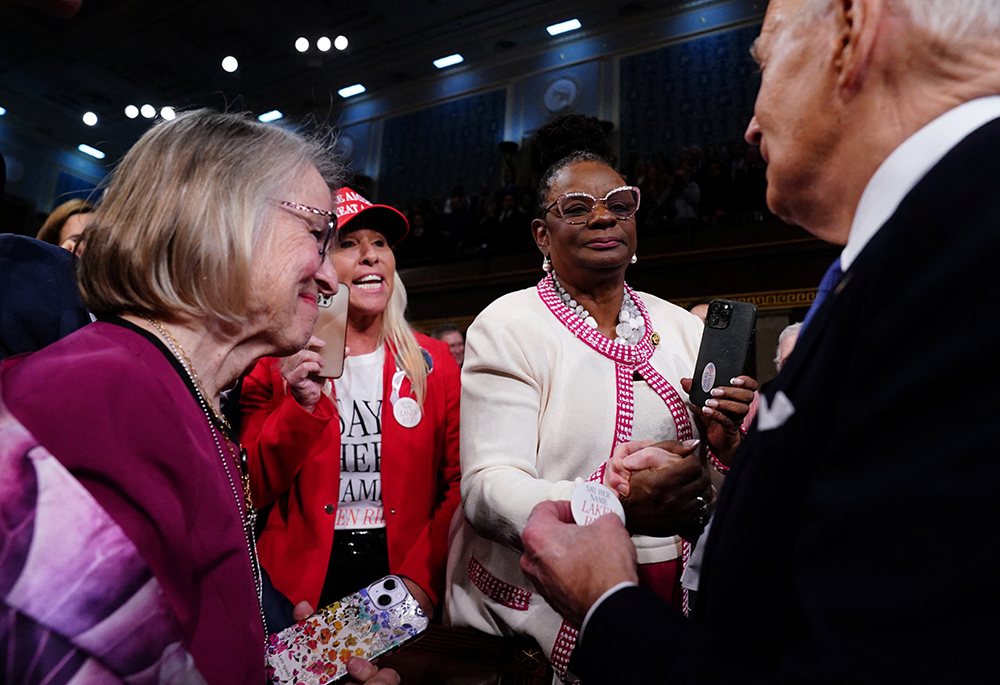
column 39, row 301
column 859, row 541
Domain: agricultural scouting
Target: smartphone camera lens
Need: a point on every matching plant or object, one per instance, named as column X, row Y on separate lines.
column 390, row 585
column 384, row 600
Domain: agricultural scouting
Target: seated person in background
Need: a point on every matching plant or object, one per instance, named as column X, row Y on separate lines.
column 65, row 224
column 452, row 336
column 361, row 475
column 128, row 536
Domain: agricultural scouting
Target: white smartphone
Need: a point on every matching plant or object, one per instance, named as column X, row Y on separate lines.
column 369, row 623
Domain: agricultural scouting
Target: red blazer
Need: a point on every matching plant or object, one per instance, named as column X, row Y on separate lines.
column 293, row 459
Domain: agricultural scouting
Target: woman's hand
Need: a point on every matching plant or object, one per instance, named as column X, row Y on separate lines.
column 299, row 371
column 721, row 417
column 363, row 671
column 639, row 455
column 423, row 599
column 669, row 488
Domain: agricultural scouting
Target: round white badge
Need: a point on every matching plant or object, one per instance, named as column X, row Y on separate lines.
column 407, row 412
column 708, row 377
column 592, row 500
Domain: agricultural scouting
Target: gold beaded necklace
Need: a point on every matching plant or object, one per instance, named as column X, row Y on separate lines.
column 219, row 425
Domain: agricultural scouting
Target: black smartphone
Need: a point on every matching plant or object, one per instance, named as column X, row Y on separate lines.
column 725, row 347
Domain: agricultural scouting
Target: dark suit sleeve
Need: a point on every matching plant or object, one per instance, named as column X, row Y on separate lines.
column 635, row 636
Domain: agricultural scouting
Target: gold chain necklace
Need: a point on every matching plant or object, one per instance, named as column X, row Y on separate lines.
column 216, row 422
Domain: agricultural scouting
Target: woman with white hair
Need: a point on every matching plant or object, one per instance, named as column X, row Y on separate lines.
column 363, row 472
column 128, row 539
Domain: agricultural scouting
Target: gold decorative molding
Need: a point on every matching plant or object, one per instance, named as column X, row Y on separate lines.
column 774, row 299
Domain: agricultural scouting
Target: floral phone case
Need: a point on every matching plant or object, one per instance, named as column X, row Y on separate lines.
column 371, row 622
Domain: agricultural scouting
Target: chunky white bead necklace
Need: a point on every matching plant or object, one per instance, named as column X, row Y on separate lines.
column 631, row 326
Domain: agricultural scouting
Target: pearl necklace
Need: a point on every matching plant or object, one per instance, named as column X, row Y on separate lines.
column 631, row 326
column 216, row 422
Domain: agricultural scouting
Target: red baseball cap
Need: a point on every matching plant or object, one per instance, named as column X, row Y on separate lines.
column 388, row 220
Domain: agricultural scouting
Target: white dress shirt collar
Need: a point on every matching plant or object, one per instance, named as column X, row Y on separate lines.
column 907, row 164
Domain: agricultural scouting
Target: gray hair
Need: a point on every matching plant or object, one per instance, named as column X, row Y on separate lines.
column 943, row 20
column 792, row 329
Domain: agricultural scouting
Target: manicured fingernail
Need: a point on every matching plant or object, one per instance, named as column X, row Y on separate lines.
column 691, row 443
column 711, row 403
column 707, row 411
column 736, row 381
column 718, row 392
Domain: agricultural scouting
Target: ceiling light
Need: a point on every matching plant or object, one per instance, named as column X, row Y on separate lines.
column 268, row 117
column 563, row 27
column 340, row 42
column 448, row 61
column 168, row 113
column 301, row 44
column 92, row 151
column 2, row 111
column 230, row 64
column 148, row 111
column 356, row 89
column 323, row 43
column 131, row 111
column 90, row 119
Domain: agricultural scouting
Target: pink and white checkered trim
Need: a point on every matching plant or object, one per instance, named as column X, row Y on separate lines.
column 503, row 593
column 562, row 650
column 628, row 359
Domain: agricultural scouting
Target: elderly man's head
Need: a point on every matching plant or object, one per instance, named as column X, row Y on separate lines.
column 845, row 82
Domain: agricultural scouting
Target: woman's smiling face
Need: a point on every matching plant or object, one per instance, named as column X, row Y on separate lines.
column 363, row 259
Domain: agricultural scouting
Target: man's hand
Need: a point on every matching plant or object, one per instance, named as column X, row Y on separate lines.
column 667, row 479
column 299, row 371
column 572, row 566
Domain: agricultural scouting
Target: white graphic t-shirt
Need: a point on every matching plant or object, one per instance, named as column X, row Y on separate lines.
column 359, row 403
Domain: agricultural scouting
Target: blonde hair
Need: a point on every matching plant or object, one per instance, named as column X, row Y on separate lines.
column 398, row 333
column 51, row 230
column 185, row 211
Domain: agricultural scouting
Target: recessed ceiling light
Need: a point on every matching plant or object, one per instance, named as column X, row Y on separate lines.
column 230, row 63
column 168, row 113
column 2, row 111
column 148, row 111
column 448, row 61
column 90, row 119
column 563, row 27
column 131, row 111
column 340, row 42
column 356, row 89
column 302, row 44
column 92, row 151
column 323, row 43
column 273, row 115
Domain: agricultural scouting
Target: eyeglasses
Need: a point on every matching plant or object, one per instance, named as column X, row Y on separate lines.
column 323, row 237
column 576, row 208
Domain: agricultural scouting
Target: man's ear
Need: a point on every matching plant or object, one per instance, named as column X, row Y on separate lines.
column 540, row 232
column 858, row 32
